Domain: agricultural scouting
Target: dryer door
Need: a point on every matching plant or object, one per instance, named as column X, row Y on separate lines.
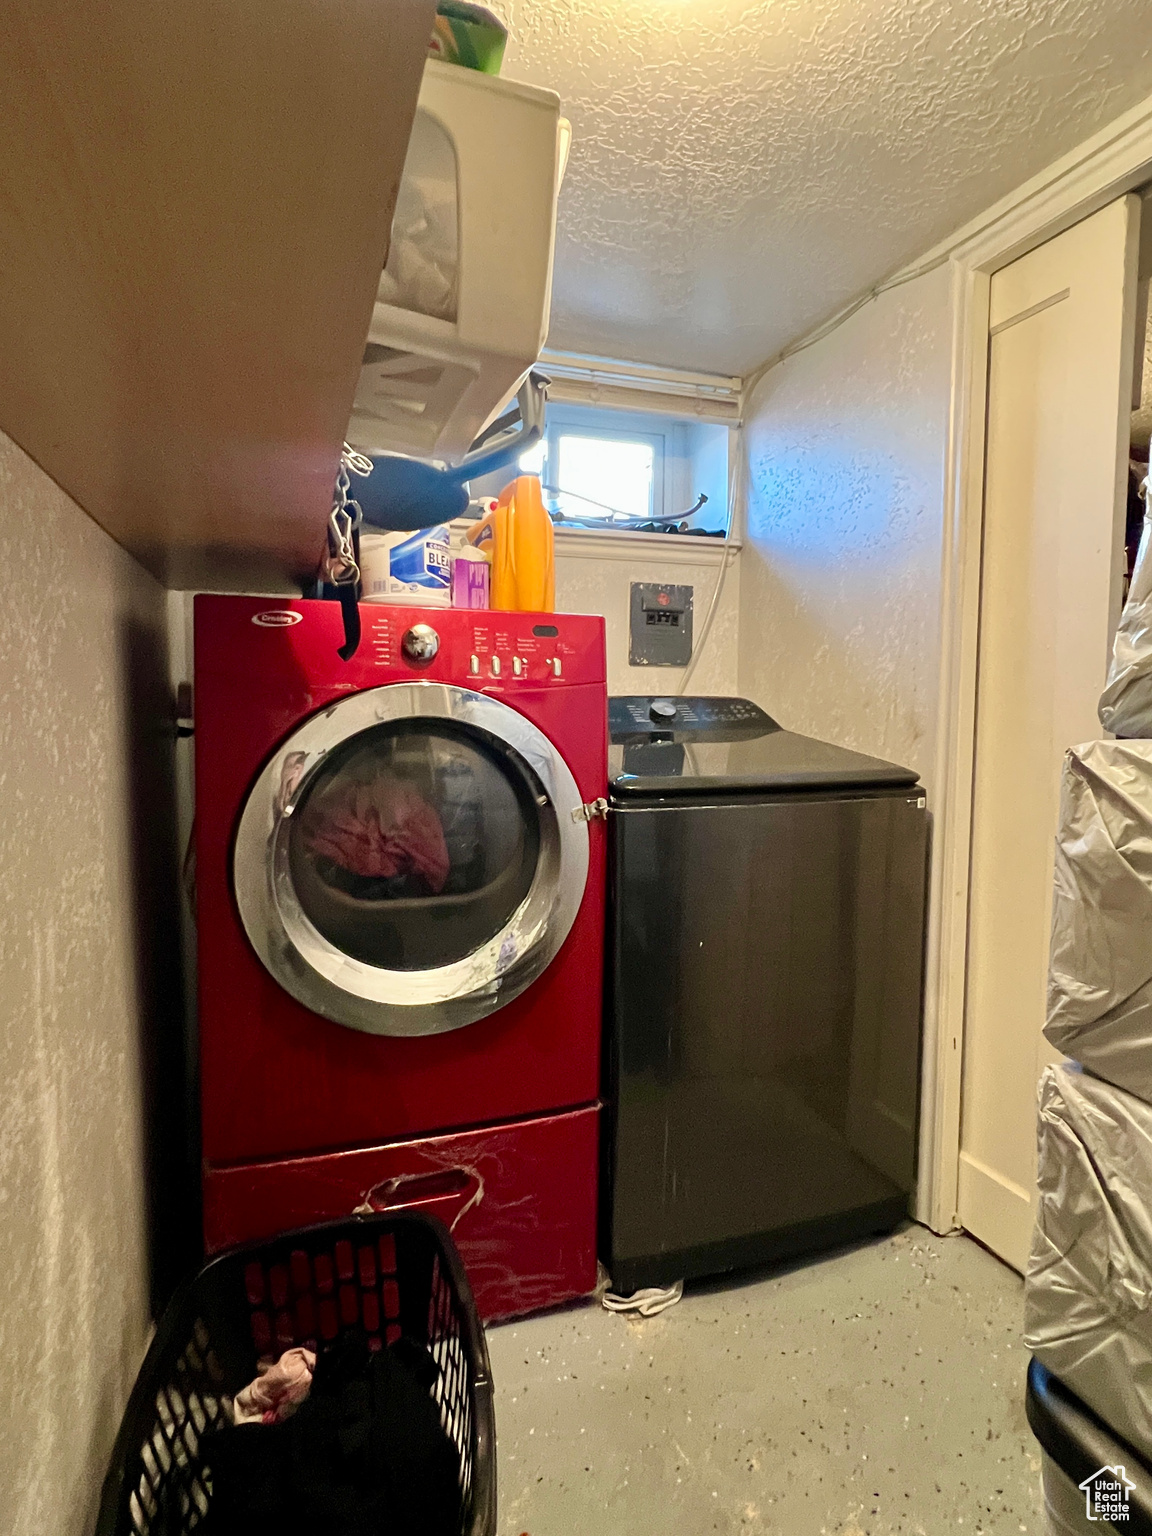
column 411, row 858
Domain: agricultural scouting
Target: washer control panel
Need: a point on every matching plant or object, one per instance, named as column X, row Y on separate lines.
column 633, row 718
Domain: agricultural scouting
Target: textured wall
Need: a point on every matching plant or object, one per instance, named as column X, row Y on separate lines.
column 83, row 929
column 840, row 586
column 741, row 168
column 585, row 585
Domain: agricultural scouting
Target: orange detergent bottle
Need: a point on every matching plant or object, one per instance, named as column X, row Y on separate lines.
column 518, row 533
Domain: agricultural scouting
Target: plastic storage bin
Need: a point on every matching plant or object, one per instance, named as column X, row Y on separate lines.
column 462, row 311
column 1076, row 1445
column 387, row 1274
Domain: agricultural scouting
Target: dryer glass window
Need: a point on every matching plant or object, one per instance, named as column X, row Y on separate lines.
column 415, row 843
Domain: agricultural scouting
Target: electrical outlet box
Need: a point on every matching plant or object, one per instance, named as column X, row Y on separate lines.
column 661, row 625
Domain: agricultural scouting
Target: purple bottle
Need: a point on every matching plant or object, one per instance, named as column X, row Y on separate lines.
column 470, row 574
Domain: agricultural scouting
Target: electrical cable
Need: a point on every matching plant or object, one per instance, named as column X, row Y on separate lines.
column 734, row 490
column 630, row 522
column 837, row 320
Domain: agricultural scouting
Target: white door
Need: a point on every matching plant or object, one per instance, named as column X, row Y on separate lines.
column 1062, row 328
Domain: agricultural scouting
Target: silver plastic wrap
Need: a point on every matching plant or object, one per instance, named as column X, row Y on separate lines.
column 1126, row 703
column 1088, row 1291
column 1100, row 975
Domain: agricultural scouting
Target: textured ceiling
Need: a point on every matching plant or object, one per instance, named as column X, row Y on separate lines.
column 740, row 170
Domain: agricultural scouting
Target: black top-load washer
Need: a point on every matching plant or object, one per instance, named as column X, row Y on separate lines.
column 765, row 981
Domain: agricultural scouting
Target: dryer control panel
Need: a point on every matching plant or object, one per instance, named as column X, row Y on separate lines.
column 469, row 647
column 485, row 645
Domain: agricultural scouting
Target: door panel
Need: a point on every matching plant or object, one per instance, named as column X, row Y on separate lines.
column 1060, row 358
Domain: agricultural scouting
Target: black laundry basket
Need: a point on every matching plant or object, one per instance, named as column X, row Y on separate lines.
column 387, row 1274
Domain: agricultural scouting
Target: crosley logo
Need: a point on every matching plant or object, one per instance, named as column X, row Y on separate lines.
column 276, row 618
column 1106, row 1495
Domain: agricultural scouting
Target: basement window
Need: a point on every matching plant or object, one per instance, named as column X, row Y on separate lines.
column 628, row 471
column 623, row 468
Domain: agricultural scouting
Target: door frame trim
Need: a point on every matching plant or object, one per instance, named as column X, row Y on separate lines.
column 1111, row 163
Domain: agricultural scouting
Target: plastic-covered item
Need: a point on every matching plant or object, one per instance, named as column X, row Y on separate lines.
column 1088, row 1290
column 1126, row 703
column 425, row 249
column 520, row 536
column 388, row 1274
column 462, row 311
column 1100, row 974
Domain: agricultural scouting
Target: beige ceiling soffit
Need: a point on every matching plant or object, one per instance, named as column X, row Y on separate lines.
column 835, row 321
column 583, row 380
column 1115, row 160
column 195, row 205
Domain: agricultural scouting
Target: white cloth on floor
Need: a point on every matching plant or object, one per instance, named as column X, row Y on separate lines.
column 647, row 1302
column 1088, row 1291
column 1100, row 976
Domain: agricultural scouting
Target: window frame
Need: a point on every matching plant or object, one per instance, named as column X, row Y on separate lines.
column 683, row 464
column 596, row 433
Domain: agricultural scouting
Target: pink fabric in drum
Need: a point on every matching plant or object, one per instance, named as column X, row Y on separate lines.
column 380, row 830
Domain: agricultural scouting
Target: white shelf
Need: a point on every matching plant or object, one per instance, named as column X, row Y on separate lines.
column 495, row 149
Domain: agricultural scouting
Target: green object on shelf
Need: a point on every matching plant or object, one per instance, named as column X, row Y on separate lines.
column 470, row 35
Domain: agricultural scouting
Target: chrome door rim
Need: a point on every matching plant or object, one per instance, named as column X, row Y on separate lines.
column 371, row 998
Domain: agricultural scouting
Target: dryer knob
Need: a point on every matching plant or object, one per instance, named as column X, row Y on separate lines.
column 420, row 643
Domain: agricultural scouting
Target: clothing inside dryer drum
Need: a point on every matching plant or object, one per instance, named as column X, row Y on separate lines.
column 415, row 843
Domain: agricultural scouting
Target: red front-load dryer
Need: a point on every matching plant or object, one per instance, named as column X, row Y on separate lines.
column 400, row 909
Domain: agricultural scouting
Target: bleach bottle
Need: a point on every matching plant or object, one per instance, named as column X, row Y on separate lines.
column 407, row 567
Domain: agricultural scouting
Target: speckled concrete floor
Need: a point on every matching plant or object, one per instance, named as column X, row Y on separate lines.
column 876, row 1391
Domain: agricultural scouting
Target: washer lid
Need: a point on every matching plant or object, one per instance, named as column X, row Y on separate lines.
column 695, row 745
